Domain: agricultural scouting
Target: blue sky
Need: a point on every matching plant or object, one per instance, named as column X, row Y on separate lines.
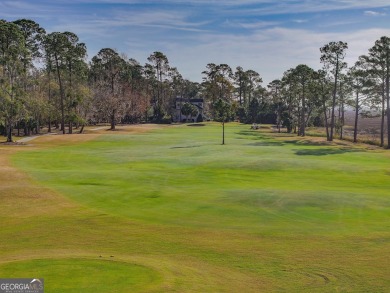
column 264, row 35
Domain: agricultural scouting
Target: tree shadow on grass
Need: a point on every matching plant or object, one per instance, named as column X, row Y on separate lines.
column 267, row 143
column 325, row 151
column 265, row 140
column 254, row 135
column 307, row 142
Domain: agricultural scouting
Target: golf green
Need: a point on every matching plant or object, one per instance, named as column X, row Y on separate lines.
column 84, row 275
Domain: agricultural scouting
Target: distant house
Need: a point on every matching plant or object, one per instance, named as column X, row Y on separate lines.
column 178, row 115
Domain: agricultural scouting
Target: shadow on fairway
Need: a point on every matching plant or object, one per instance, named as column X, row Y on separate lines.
column 267, row 143
column 324, row 151
column 265, row 140
column 196, row 124
column 250, row 134
column 306, row 142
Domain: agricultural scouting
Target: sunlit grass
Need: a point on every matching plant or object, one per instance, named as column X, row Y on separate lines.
column 264, row 212
column 84, row 275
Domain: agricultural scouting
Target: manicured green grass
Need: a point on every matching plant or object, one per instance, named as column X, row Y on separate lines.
column 84, row 275
column 263, row 213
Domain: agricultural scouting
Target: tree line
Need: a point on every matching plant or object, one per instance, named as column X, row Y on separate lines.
column 46, row 80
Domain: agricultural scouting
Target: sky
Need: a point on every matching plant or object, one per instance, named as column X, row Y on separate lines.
column 267, row 36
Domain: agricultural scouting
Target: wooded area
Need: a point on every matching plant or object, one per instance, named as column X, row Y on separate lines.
column 47, row 80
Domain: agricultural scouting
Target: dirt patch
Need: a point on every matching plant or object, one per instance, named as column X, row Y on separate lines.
column 64, row 139
column 89, row 133
column 196, row 124
column 22, row 198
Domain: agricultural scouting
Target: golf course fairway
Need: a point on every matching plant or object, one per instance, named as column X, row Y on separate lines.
column 171, row 209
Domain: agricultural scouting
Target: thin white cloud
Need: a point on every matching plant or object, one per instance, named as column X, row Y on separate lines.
column 300, row 20
column 259, row 24
column 311, row 6
column 338, row 24
column 27, row 9
column 49, row 8
column 334, row 3
column 249, row 25
column 374, row 13
column 143, row 18
column 157, row 18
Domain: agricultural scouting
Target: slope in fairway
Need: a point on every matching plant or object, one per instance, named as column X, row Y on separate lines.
column 295, row 215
